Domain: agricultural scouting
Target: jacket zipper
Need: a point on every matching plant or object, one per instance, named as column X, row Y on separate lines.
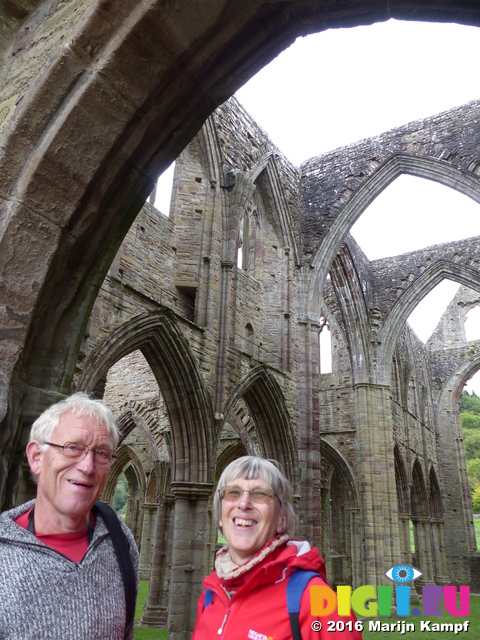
column 220, row 631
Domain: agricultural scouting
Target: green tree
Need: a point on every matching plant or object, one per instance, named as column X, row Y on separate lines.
column 120, row 495
column 470, row 420
column 476, row 499
column 473, row 470
column 470, row 403
column 471, row 442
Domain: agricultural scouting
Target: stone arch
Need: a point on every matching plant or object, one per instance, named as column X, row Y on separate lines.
column 126, row 457
column 156, row 335
column 129, row 463
column 351, row 299
column 81, row 85
column 373, row 185
column 435, row 504
column 130, row 419
column 72, row 89
column 418, row 496
column 427, row 281
column 264, row 398
column 266, row 175
column 340, row 518
column 457, row 502
column 243, row 425
column 229, row 454
column 421, row 523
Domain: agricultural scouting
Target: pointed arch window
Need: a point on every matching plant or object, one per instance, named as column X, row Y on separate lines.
column 325, row 346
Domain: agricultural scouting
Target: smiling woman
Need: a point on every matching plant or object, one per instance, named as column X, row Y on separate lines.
column 253, row 508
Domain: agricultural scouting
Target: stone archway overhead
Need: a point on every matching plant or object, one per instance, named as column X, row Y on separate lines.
column 96, row 81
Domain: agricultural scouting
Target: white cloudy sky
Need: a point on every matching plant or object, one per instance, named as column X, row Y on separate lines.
column 335, row 88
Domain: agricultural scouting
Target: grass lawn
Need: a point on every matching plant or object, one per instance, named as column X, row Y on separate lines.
column 476, row 522
column 147, row 633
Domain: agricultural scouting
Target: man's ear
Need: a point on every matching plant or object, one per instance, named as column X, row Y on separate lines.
column 34, row 456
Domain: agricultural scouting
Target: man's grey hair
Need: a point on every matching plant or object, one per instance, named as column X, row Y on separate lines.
column 78, row 404
column 253, row 468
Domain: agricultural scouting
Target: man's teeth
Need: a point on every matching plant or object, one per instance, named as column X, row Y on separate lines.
column 244, row 523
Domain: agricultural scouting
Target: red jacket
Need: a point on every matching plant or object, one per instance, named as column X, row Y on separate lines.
column 258, row 608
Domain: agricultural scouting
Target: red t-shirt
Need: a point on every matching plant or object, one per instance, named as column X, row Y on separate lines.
column 72, row 545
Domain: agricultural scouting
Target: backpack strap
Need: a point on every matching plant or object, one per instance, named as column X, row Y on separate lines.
column 208, row 598
column 296, row 585
column 122, row 551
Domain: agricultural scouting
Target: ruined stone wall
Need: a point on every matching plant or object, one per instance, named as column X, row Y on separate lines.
column 232, row 190
column 329, row 181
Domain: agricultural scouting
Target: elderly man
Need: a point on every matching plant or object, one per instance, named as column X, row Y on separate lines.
column 59, row 573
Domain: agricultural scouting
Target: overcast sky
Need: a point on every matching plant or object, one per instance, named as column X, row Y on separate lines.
column 335, row 88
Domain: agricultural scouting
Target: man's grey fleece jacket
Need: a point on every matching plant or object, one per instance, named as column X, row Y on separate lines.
column 46, row 596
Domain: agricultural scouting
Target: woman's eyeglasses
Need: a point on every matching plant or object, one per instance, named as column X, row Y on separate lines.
column 257, row 496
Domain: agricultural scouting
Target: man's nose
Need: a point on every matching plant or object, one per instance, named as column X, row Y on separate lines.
column 87, row 462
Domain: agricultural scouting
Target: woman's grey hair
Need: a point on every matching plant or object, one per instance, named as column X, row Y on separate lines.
column 251, row 468
column 78, row 404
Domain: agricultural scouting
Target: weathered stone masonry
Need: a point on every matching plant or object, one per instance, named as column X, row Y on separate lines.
column 97, row 100
column 371, row 441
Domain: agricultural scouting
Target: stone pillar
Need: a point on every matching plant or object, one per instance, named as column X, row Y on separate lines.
column 148, row 531
column 189, row 556
column 405, row 545
column 355, row 547
column 423, row 549
column 458, row 527
column 376, row 481
column 223, row 334
column 155, row 611
column 440, row 572
column 310, row 508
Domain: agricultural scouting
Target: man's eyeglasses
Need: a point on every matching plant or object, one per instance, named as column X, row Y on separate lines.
column 257, row 496
column 76, row 450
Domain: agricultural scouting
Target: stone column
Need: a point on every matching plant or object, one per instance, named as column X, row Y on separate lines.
column 405, row 545
column 148, row 530
column 355, row 547
column 423, row 549
column 223, row 334
column 155, row 612
column 310, row 507
column 376, row 481
column 189, row 556
column 438, row 550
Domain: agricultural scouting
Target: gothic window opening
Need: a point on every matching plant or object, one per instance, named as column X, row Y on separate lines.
column 249, row 340
column 247, row 240
column 325, row 346
column 472, row 324
column 161, row 195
